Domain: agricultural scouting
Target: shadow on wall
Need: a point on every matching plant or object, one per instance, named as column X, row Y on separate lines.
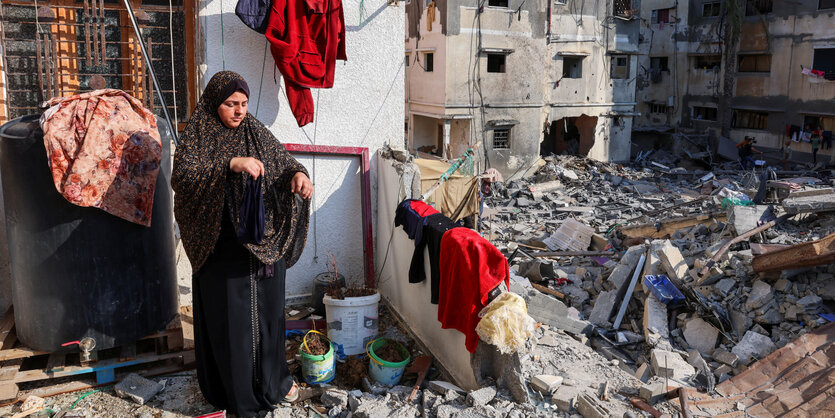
column 572, row 136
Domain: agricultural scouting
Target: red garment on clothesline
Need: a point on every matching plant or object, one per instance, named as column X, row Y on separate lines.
column 306, row 38
column 470, row 268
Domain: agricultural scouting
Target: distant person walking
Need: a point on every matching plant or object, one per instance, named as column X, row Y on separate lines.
column 787, row 153
column 745, row 149
column 816, row 143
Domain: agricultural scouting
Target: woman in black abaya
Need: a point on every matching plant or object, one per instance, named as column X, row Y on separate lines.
column 238, row 288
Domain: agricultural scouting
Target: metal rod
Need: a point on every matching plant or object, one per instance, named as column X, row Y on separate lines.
column 41, row 73
column 55, row 69
column 150, row 87
column 87, row 30
column 148, row 63
column 94, row 22
column 102, row 31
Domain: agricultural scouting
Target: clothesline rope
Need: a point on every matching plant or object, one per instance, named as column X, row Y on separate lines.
column 263, row 65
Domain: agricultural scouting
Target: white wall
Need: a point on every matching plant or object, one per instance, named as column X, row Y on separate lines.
column 411, row 300
column 363, row 109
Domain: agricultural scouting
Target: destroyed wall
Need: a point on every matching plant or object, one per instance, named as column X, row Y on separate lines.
column 663, row 64
column 363, row 109
column 579, row 34
column 411, row 301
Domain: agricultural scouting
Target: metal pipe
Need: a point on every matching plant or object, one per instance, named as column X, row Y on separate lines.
column 151, row 71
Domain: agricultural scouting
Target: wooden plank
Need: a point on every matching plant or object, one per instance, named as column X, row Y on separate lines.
column 22, row 352
column 9, row 369
column 128, row 352
column 33, row 375
column 807, row 254
column 548, row 290
column 8, row 390
column 670, row 226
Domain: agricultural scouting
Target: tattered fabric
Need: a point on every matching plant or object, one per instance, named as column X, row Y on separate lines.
column 203, row 181
column 104, row 151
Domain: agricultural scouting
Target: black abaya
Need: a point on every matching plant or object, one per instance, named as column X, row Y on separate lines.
column 235, row 299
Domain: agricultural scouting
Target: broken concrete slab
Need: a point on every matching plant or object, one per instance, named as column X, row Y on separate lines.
column 570, row 236
column 619, row 278
column 746, row 218
column 604, row 307
column 761, row 294
column 810, row 304
column 725, row 357
column 753, row 346
column 653, row 391
column 723, row 287
column 807, row 254
column 670, row 365
column 546, row 383
column 482, row 396
column 334, row 398
column 673, row 263
column 564, row 398
column 553, row 312
column 701, row 335
column 655, row 320
column 590, row 407
column 740, row 322
column 801, row 204
column 137, row 388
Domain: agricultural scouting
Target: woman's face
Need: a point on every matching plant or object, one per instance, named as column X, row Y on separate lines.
column 233, row 110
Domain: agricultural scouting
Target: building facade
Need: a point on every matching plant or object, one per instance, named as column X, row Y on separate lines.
column 522, row 78
column 744, row 68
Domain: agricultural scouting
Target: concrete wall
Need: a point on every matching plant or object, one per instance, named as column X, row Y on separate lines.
column 363, row 109
column 411, row 300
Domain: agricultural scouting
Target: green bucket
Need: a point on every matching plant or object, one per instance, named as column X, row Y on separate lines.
column 385, row 372
column 317, row 369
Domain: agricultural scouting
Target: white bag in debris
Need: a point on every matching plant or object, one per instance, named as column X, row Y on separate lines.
column 505, row 323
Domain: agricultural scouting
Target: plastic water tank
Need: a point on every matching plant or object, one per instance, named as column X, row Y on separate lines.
column 81, row 272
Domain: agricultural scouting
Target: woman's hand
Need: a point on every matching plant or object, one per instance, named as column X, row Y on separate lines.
column 252, row 166
column 302, row 185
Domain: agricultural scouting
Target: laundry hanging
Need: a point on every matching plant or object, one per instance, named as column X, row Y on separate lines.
column 306, row 38
column 254, row 13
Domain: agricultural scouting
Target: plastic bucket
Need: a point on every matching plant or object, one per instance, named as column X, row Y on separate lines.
column 317, row 369
column 384, row 372
column 320, row 286
column 352, row 322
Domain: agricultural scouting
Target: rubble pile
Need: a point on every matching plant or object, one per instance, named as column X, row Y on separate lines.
column 583, row 238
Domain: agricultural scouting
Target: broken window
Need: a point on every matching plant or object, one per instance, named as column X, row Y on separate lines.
column 755, row 7
column 747, row 119
column 824, row 61
column 623, row 8
column 84, row 45
column 620, row 66
column 572, row 67
column 704, row 113
column 707, row 62
column 825, row 123
column 428, row 62
column 497, row 3
column 658, row 108
column 659, row 63
column 408, row 57
column 501, row 138
column 496, row 63
column 711, row 9
column 826, row 4
column 661, row 16
column 755, row 63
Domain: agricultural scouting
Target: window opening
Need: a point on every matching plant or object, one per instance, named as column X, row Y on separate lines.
column 572, row 67
column 496, row 63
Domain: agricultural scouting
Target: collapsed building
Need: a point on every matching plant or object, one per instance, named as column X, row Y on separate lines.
column 761, row 69
column 522, row 78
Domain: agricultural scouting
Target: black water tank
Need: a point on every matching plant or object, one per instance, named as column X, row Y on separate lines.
column 81, row 272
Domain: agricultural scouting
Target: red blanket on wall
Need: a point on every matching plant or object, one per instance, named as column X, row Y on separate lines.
column 470, row 268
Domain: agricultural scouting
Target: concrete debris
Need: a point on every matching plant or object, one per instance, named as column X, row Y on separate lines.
column 671, row 365
column 753, row 346
column 590, row 407
column 546, row 384
column 335, row 398
column 701, row 335
column 137, row 388
column 482, row 396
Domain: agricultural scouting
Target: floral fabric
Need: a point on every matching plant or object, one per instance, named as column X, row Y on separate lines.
column 104, row 151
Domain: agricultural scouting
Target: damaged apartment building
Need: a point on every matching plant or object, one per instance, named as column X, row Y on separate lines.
column 521, row 78
column 760, row 68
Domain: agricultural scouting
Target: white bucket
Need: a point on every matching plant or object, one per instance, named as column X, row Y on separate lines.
column 352, row 322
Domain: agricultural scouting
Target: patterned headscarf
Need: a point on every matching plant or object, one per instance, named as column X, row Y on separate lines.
column 203, row 181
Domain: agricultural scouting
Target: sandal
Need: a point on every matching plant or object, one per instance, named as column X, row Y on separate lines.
column 295, row 396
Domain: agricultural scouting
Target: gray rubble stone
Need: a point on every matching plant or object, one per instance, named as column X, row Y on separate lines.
column 565, row 397
column 604, row 305
column 448, row 411
column 673, row 263
column 701, row 335
column 724, row 287
column 482, row 396
column 761, row 294
column 771, row 316
column 622, row 274
column 653, row 391
column 810, row 304
column 740, row 322
column 334, row 398
column 590, row 407
column 725, row 357
column 753, row 345
column 546, row 383
column 723, row 369
column 783, row 286
column 553, row 312
column 137, row 388
column 441, row 387
column 670, row 365
column 655, row 320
